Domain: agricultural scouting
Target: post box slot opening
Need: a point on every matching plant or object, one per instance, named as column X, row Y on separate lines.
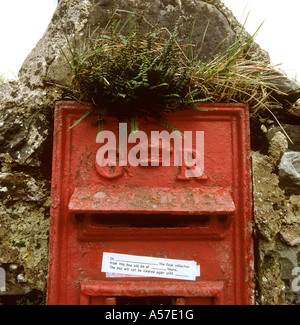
column 151, row 220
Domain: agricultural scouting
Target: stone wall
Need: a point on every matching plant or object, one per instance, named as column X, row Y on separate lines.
column 26, row 120
column 277, row 215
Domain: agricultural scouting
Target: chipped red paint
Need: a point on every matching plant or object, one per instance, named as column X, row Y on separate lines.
column 190, row 293
column 152, row 211
column 154, row 200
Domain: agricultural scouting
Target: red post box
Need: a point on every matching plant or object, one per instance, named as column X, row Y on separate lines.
column 152, row 210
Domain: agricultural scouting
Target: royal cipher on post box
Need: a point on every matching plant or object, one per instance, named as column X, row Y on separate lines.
column 151, row 216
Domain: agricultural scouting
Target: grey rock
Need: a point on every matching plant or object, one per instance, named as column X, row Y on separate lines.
column 291, row 238
column 46, row 59
column 18, row 186
column 13, row 287
column 286, row 91
column 293, row 131
column 23, row 138
column 289, row 172
column 278, row 146
column 211, row 25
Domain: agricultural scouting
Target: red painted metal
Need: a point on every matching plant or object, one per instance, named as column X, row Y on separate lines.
column 196, row 291
column 152, row 211
column 154, row 200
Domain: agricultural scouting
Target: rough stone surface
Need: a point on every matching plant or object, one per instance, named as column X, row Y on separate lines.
column 22, row 138
column 289, row 258
column 268, row 197
column 293, row 132
column 19, row 187
column 24, row 227
column 272, row 288
column 291, row 235
column 278, row 146
column 289, row 172
column 25, row 136
column 211, row 26
column 277, row 231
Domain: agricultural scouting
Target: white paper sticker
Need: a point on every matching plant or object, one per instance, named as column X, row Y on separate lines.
column 118, row 275
column 116, row 265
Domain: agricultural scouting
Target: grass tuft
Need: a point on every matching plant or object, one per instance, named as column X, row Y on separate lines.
column 132, row 70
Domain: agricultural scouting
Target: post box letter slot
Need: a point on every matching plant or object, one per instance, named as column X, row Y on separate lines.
column 98, row 211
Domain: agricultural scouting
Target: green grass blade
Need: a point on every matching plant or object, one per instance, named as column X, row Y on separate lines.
column 88, row 112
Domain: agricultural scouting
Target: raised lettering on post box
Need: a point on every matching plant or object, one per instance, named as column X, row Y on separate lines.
column 152, row 194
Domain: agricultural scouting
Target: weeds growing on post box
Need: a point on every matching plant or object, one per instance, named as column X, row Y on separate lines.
column 132, row 70
column 136, row 75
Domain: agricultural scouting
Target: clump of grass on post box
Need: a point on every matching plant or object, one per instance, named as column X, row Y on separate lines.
column 131, row 73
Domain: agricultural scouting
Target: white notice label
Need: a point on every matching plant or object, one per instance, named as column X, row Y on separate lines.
column 141, row 266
